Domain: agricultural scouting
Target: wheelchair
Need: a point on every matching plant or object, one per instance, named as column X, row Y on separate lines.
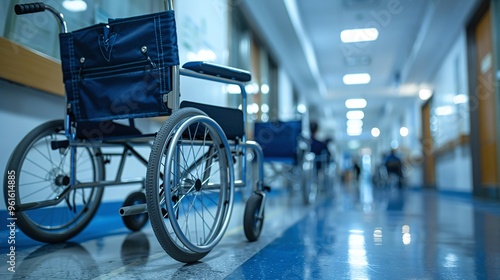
column 188, row 190
column 288, row 154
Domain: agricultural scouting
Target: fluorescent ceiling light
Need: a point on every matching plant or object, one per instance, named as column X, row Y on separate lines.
column 359, row 35
column 253, row 108
column 355, row 103
column 264, row 88
column 355, row 115
column 233, row 89
column 460, row 98
column 354, row 131
column 375, row 132
column 301, row 108
column 357, row 79
column 252, row 88
column 74, row 5
column 264, row 108
column 444, row 110
column 354, row 123
column 403, row 131
column 425, row 93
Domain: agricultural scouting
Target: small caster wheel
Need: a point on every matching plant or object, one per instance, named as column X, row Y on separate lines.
column 252, row 223
column 135, row 222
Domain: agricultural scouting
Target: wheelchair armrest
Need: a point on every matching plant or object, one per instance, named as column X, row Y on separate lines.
column 218, row 70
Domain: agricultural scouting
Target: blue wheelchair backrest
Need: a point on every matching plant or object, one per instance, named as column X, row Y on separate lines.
column 278, row 139
column 120, row 69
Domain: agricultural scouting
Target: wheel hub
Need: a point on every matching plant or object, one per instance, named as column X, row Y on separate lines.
column 58, row 180
column 62, row 180
column 197, row 185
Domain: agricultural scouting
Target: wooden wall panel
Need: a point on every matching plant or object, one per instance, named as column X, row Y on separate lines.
column 28, row 67
column 487, row 102
column 428, row 148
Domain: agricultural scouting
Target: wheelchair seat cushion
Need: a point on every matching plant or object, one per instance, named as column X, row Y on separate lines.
column 230, row 120
column 105, row 129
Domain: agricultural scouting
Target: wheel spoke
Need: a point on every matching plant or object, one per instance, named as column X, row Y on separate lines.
column 24, row 196
column 36, row 176
column 38, row 165
column 48, row 158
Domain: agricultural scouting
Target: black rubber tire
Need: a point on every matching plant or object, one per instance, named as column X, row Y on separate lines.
column 26, row 220
column 252, row 225
column 135, row 222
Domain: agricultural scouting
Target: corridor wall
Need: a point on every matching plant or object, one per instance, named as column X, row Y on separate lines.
column 450, row 121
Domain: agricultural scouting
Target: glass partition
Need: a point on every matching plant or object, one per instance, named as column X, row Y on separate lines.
column 40, row 31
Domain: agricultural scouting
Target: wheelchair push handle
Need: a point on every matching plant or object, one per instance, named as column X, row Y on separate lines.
column 30, row 8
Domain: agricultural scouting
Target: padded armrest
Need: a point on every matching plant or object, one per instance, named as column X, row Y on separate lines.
column 217, row 70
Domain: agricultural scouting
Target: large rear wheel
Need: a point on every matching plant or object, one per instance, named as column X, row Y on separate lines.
column 37, row 185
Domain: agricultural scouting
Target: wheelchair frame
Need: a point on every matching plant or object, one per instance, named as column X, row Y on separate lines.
column 168, row 184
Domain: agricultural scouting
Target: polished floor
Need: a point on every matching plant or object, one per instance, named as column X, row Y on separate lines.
column 358, row 233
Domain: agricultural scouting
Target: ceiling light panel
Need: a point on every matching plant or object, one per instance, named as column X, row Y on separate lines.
column 460, row 98
column 355, row 103
column 359, row 35
column 425, row 93
column 356, row 131
column 354, row 123
column 355, row 115
column 356, row 79
column 375, row 132
column 74, row 5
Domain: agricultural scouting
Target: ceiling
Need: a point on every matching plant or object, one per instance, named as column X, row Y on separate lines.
column 304, row 38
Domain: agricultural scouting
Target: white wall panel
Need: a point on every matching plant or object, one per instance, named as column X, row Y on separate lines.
column 453, row 169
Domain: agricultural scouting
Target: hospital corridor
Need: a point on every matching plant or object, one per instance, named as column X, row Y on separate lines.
column 250, row 139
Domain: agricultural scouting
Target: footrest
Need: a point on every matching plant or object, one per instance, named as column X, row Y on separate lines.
column 217, row 70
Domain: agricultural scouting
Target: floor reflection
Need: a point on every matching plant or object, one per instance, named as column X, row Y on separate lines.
column 58, row 261
column 386, row 233
column 359, row 232
column 135, row 249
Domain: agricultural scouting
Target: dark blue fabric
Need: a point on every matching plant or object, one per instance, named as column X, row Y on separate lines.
column 104, row 129
column 126, row 67
column 278, row 139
